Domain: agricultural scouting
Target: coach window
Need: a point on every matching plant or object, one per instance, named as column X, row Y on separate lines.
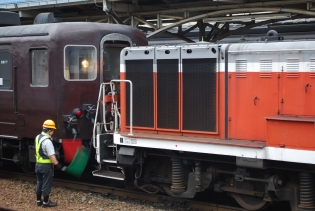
column 40, row 74
column 80, row 63
column 5, row 70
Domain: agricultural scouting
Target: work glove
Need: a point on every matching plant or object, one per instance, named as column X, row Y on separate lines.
column 60, row 166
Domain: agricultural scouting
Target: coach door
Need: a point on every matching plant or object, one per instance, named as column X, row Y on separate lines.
column 111, row 46
column 7, row 94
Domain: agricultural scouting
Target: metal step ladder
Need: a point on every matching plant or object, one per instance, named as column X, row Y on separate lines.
column 103, row 132
column 106, row 157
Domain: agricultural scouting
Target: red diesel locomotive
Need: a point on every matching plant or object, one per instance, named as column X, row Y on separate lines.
column 234, row 118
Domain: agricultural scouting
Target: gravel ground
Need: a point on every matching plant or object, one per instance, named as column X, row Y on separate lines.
column 19, row 195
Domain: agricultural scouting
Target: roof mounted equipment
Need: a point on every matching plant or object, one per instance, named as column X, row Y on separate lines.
column 272, row 35
column 9, row 19
column 47, row 17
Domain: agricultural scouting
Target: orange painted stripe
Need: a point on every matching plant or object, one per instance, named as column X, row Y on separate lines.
column 123, row 101
column 155, row 115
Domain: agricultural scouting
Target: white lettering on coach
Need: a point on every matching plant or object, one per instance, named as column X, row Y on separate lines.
column 4, row 61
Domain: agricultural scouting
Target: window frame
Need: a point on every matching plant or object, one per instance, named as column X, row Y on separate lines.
column 64, row 62
column 10, row 88
column 31, row 65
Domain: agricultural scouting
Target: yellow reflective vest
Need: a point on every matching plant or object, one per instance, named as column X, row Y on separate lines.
column 40, row 156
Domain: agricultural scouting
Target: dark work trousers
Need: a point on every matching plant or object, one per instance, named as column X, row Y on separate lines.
column 44, row 174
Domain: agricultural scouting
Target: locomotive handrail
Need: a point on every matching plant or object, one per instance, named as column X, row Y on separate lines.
column 114, row 107
column 104, row 111
column 131, row 103
column 96, row 114
column 111, row 83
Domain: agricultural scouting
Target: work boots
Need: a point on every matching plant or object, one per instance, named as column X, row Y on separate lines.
column 49, row 204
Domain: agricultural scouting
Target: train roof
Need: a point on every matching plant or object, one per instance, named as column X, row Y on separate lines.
column 55, row 29
column 296, row 45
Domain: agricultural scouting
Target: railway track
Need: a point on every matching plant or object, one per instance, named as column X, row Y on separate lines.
column 192, row 204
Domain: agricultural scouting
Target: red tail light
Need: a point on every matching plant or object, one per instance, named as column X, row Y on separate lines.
column 77, row 112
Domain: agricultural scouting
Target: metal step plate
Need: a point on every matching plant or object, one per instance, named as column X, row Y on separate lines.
column 110, row 160
column 109, row 174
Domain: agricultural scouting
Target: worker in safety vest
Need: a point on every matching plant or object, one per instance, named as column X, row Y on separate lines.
column 45, row 162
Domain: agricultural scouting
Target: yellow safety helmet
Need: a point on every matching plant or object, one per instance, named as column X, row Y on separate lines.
column 49, row 124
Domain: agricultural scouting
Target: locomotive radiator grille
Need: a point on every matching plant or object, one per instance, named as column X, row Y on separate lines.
column 140, row 72
column 199, row 95
column 167, row 94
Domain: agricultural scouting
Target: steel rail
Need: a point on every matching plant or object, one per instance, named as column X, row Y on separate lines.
column 120, row 192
